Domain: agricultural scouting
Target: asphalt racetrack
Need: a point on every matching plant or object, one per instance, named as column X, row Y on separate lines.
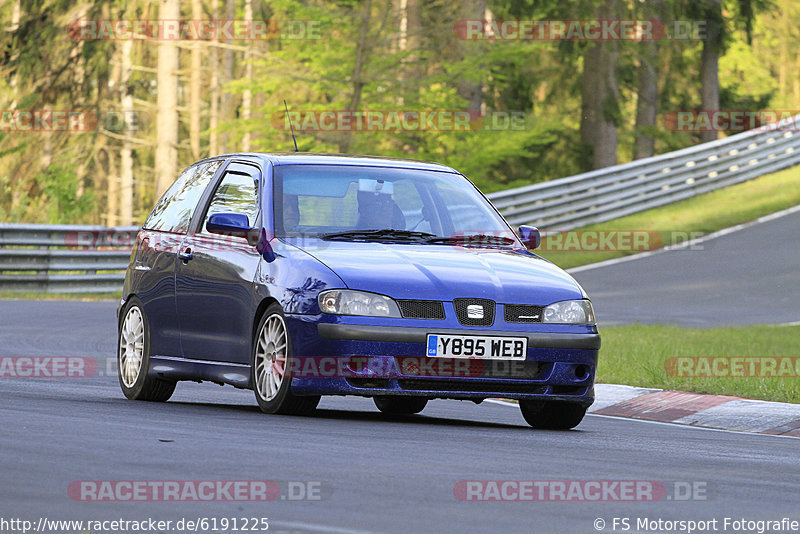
column 749, row 276
column 364, row 472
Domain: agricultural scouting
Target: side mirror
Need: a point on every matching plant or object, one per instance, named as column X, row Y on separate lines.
column 238, row 225
column 235, row 224
column 530, row 237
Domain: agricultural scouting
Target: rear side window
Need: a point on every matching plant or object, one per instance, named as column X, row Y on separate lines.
column 173, row 212
column 236, row 193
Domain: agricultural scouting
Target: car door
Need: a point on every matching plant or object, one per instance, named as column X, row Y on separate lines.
column 153, row 273
column 214, row 274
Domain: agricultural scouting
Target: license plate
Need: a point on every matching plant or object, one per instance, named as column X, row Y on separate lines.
column 483, row 347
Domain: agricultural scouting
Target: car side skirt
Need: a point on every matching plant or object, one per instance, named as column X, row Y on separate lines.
column 173, row 368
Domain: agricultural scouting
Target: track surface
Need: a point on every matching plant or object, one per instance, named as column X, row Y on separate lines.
column 751, row 276
column 376, row 474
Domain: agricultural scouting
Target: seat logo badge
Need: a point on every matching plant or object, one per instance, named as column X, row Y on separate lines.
column 475, row 311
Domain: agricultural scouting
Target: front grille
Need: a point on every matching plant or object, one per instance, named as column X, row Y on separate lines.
column 461, row 385
column 522, row 313
column 421, row 309
column 463, row 306
column 462, row 367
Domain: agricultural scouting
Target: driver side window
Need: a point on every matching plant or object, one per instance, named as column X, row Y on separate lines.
column 236, row 193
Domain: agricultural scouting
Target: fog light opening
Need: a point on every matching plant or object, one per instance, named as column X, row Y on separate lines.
column 581, row 371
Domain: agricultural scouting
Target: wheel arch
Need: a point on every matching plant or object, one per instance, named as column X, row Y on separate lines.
column 123, row 303
column 262, row 307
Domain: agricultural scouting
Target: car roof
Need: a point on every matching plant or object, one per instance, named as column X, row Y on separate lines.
column 307, row 158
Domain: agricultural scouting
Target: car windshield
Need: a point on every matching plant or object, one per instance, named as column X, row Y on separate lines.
column 341, row 202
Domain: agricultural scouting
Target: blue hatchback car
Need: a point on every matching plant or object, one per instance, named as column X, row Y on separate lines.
column 300, row 275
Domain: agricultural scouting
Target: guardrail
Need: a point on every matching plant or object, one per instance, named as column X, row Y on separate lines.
column 92, row 259
column 64, row 258
column 614, row 192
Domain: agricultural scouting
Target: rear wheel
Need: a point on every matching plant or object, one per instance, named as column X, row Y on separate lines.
column 271, row 368
column 400, row 405
column 552, row 415
column 133, row 357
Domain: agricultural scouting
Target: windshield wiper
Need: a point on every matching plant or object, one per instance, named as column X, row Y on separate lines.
column 384, row 233
column 473, row 239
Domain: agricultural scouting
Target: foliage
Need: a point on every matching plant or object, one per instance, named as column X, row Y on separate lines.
column 64, row 202
column 406, row 64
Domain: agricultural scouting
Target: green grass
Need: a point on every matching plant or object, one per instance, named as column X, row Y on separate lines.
column 37, row 295
column 705, row 213
column 636, row 355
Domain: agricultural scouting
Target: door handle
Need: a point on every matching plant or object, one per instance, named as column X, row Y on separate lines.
column 185, row 255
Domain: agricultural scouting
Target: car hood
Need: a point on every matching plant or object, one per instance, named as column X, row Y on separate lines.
column 445, row 272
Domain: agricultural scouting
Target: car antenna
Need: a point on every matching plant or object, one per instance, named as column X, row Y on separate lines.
column 290, row 125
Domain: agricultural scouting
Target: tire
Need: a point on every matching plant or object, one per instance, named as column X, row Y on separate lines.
column 552, row 415
column 271, row 368
column 133, row 357
column 400, row 405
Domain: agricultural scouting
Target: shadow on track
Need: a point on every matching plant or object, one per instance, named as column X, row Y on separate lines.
column 355, row 415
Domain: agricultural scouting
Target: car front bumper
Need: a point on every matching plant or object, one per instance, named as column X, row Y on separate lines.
column 336, row 358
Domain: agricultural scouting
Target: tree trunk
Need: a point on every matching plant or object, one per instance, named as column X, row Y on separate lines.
column 647, row 93
column 16, row 16
column 126, row 153
column 227, row 75
column 247, row 96
column 783, row 62
column 194, row 86
column 166, row 162
column 109, row 170
column 471, row 91
column 600, row 95
column 796, row 81
column 398, row 42
column 213, row 114
column 709, row 68
column 413, row 27
column 358, row 67
column 112, row 206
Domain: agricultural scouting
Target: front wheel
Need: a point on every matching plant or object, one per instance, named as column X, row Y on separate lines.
column 271, row 368
column 133, row 357
column 552, row 415
column 400, row 405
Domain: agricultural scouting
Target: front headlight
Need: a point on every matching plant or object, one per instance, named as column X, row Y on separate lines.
column 349, row 302
column 569, row 312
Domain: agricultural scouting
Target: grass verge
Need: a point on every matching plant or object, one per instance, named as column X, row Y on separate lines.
column 706, row 213
column 637, row 355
